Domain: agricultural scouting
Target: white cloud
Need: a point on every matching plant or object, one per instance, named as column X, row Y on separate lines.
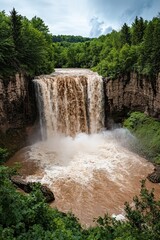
column 97, row 27
column 74, row 16
column 115, row 12
column 107, row 30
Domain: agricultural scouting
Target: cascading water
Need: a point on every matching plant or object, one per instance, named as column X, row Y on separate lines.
column 90, row 174
column 70, row 102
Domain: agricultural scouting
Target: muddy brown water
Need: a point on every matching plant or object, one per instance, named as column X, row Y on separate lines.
column 89, row 175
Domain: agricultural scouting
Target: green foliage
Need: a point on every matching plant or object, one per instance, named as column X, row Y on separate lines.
column 144, row 217
column 36, row 54
column 16, row 27
column 3, row 155
column 134, row 48
column 33, row 50
column 25, row 46
column 7, row 53
column 142, row 220
column 138, row 29
column 29, row 217
column 69, row 38
column 125, row 34
column 147, row 130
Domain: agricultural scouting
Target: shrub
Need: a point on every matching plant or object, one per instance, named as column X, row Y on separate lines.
column 3, row 155
column 147, row 130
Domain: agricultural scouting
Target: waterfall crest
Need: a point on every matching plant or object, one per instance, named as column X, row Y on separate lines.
column 70, row 102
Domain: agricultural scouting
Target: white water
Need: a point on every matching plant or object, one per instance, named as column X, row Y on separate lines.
column 79, row 157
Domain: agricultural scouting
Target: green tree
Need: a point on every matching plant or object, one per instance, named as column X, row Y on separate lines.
column 127, row 58
column 147, row 50
column 39, row 24
column 138, row 30
column 16, row 28
column 25, row 46
column 37, row 53
column 7, row 52
column 155, row 55
column 71, row 56
column 125, row 34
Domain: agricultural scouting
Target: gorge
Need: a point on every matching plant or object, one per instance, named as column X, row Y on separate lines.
column 79, row 122
column 85, row 166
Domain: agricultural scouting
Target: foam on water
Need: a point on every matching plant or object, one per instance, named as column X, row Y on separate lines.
column 79, row 157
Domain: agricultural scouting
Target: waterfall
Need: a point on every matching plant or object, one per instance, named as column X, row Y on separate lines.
column 70, row 102
column 85, row 167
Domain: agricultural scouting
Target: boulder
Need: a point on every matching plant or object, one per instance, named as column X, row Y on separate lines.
column 27, row 187
column 47, row 193
column 155, row 176
column 21, row 183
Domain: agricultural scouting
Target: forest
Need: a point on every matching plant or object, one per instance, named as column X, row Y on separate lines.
column 25, row 45
column 28, row 47
column 134, row 48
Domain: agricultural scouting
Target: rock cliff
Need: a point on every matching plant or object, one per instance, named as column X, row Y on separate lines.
column 17, row 107
column 132, row 93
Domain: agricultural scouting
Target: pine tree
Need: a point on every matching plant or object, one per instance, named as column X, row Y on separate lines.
column 7, row 54
column 138, row 28
column 155, row 56
column 147, row 50
column 125, row 34
column 16, row 28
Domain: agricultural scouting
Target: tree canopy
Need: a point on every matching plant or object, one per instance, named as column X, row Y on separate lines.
column 25, row 46
column 133, row 48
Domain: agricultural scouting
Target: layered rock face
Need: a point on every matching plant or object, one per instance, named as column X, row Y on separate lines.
column 17, row 104
column 132, row 93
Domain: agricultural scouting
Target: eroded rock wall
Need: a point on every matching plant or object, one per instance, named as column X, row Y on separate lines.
column 132, row 93
column 17, row 107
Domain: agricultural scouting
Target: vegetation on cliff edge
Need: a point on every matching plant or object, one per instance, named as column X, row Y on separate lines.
column 147, row 131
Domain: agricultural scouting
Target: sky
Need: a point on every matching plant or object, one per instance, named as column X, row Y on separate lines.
column 88, row 18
